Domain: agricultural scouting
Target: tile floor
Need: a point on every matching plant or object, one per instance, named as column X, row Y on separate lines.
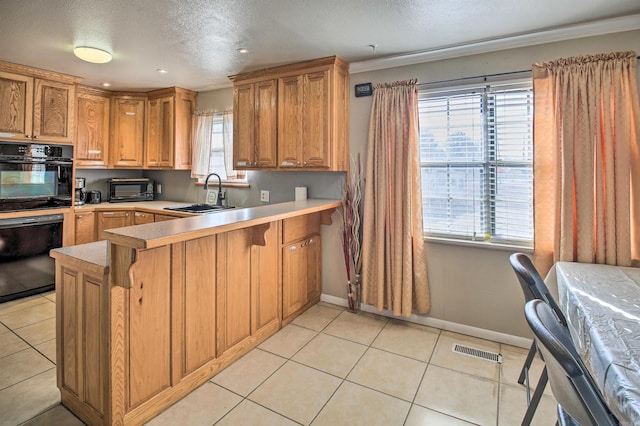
column 329, row 367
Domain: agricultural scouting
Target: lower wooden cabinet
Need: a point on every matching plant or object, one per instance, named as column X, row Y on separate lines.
column 143, row 217
column 113, row 219
column 85, row 227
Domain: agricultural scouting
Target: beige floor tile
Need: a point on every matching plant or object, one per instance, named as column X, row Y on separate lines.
column 443, row 356
column 29, row 398
column 10, row 344
column 19, row 304
column 3, row 329
column 204, row 406
column 331, row 354
column 317, row 317
column 58, row 416
column 403, row 338
column 512, row 362
column 51, row 296
column 247, row 373
column 22, row 365
column 288, row 341
column 355, row 405
column 331, row 305
column 38, row 332
column 460, row 395
column 360, row 328
column 250, row 413
column 296, row 391
column 29, row 315
column 513, row 405
column 419, row 416
column 48, row 349
column 389, row 373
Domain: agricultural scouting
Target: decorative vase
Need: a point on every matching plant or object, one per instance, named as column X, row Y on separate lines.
column 354, row 294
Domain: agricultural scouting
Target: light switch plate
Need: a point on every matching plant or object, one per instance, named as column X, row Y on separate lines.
column 264, row 196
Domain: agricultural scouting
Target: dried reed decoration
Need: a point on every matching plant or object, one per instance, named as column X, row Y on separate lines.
column 351, row 231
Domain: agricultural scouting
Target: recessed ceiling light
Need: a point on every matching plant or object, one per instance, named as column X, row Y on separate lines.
column 106, row 84
column 92, row 54
column 242, row 50
column 162, row 71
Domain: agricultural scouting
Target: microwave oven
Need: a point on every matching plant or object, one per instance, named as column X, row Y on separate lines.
column 130, row 189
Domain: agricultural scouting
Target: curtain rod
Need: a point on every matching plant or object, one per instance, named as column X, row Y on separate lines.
column 480, row 76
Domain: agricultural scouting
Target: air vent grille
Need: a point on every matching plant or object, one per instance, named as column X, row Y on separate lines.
column 476, row 353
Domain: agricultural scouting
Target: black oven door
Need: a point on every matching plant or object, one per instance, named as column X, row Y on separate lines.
column 25, row 265
column 27, row 184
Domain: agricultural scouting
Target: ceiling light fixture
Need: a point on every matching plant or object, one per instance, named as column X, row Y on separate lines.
column 162, row 71
column 242, row 50
column 92, row 54
column 106, row 84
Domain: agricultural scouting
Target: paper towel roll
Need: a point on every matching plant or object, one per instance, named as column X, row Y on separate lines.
column 301, row 193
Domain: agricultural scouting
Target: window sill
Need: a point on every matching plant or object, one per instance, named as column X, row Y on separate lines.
column 480, row 244
column 227, row 184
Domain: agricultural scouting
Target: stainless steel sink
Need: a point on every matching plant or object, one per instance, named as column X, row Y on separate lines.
column 200, row 208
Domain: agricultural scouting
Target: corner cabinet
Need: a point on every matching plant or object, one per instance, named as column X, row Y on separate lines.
column 127, row 131
column 311, row 116
column 92, row 130
column 36, row 104
column 169, row 123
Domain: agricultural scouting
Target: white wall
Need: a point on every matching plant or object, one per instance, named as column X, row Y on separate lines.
column 470, row 286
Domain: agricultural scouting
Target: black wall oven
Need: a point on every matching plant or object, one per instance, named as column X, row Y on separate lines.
column 35, row 176
column 32, row 177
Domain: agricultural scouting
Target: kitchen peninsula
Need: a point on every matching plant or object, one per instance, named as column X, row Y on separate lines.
column 157, row 309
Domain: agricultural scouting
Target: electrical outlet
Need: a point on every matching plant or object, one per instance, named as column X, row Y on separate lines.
column 264, row 196
column 159, row 188
column 212, row 196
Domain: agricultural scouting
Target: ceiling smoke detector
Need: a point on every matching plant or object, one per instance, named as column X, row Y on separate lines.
column 92, row 54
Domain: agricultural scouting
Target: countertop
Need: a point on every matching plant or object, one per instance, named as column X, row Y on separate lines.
column 166, row 232
column 149, row 206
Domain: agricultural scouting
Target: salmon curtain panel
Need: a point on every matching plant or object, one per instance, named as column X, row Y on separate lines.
column 394, row 271
column 586, row 160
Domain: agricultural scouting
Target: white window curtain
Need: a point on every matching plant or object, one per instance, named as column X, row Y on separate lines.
column 227, row 140
column 213, row 145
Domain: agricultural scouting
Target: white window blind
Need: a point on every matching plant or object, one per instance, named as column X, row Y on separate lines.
column 476, row 151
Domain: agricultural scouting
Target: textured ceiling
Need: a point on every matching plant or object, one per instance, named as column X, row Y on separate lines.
column 197, row 40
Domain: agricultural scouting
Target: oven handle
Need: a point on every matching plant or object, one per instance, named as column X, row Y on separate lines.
column 52, row 163
column 29, row 221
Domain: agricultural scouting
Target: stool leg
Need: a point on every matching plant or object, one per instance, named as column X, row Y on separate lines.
column 537, row 395
column 527, row 362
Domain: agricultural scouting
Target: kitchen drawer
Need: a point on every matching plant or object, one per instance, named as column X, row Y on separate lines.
column 299, row 227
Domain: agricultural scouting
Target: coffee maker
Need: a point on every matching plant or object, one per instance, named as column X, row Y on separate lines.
column 80, row 194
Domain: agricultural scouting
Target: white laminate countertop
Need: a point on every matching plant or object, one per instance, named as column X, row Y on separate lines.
column 166, row 232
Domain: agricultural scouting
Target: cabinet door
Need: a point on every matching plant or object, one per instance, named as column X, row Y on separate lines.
column 294, row 274
column 85, row 227
column 113, row 219
column 16, row 106
column 161, row 217
column 53, row 111
column 290, row 93
column 141, row 217
column 243, row 126
column 315, row 129
column 92, row 131
column 185, row 105
column 127, row 127
column 233, row 289
column 266, row 123
column 265, row 282
column 313, row 256
column 158, row 151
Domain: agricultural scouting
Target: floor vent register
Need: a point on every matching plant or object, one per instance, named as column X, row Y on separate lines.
column 476, row 353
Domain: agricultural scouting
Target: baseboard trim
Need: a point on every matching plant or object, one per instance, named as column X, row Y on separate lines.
column 442, row 324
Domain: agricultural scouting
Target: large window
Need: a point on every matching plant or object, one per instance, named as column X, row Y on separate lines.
column 476, row 152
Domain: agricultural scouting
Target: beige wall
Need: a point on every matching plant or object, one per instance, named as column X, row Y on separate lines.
column 470, row 286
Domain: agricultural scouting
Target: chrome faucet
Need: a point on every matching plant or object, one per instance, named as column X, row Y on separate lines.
column 206, row 188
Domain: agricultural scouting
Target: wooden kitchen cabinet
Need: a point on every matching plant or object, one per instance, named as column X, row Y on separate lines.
column 36, row 104
column 312, row 112
column 113, row 219
column 92, row 130
column 143, row 217
column 169, row 124
column 85, row 227
column 301, row 264
column 160, row 217
column 127, row 131
column 255, row 125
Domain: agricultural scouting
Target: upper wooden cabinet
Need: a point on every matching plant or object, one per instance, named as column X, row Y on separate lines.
column 127, row 130
column 311, row 116
column 255, row 124
column 92, row 129
column 36, row 104
column 169, row 119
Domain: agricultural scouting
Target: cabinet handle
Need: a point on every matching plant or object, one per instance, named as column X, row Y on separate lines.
column 35, row 136
column 27, row 136
column 108, row 213
column 305, row 163
column 129, row 113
